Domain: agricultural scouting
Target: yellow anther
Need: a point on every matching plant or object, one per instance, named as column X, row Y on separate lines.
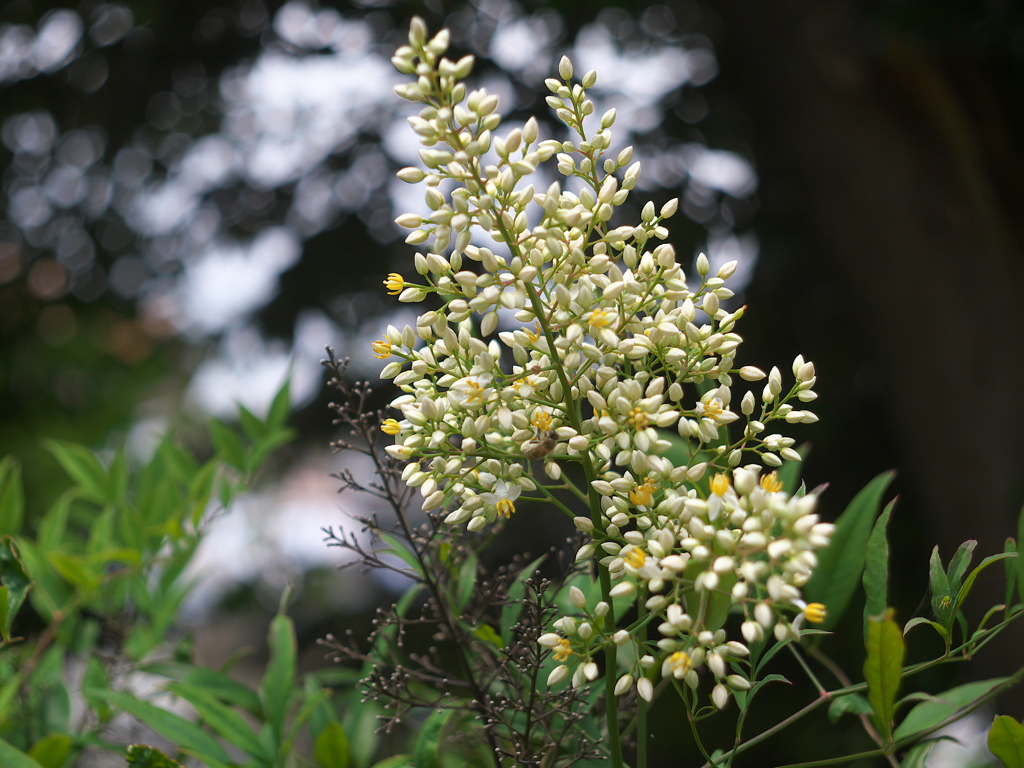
column 563, row 650
column 382, row 349
column 505, row 507
column 636, row 558
column 395, row 284
column 815, row 612
column 770, row 483
column 390, row 427
column 720, row 484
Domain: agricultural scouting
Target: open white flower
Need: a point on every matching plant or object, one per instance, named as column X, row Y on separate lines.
column 504, row 497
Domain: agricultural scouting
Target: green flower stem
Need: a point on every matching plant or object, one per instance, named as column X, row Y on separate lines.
column 572, row 411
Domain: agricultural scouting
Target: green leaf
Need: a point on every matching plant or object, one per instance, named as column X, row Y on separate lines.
column 841, row 562
column 1006, row 741
column 276, row 686
column 16, row 583
column 395, row 761
column 965, row 590
column 225, row 688
column 75, row 570
column 934, row 624
column 1011, row 564
column 943, row 705
column 1020, row 566
column 84, row 468
column 95, row 678
column 281, row 408
column 225, row 721
column 12, row 497
column 427, row 752
column 141, row 756
column 958, row 564
column 876, row 568
column 52, row 751
column 399, row 550
column 331, row 747
column 12, row 757
column 942, row 597
column 467, row 580
column 883, row 669
column 189, row 737
column 486, row 633
column 227, row 444
column 852, row 703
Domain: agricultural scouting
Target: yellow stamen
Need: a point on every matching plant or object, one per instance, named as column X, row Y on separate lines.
column 395, row 284
column 534, row 334
column 505, row 507
column 601, row 318
column 542, row 420
column 815, row 612
column 643, row 495
column 719, row 484
column 382, row 349
column 679, row 662
column 712, row 409
column 636, row 558
column 770, row 483
column 563, row 650
column 639, row 418
column 390, row 427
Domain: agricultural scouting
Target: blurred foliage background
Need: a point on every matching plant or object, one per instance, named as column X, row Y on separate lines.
column 197, row 196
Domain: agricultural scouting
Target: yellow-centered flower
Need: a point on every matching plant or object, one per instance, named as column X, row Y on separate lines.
column 601, row 318
column 639, row 418
column 563, row 650
column 382, row 349
column 636, row 558
column 770, row 483
column 679, row 663
column 390, row 427
column 542, row 420
column 395, row 284
column 643, row 495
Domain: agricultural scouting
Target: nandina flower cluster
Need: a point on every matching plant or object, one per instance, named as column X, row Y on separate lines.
column 561, row 336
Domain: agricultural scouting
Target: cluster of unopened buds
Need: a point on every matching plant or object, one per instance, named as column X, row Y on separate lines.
column 575, row 342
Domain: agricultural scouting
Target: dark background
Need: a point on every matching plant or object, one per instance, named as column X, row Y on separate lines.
column 887, row 138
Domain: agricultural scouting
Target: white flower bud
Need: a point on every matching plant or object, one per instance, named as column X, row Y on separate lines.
column 703, row 265
column 565, row 68
column 624, row 683
column 720, row 696
column 622, row 589
column 590, row 670
column 621, row 637
column 558, row 674
column 645, row 689
column 577, row 597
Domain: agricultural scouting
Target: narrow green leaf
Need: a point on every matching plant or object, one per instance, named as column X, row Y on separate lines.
column 1011, row 564
column 52, row 751
column 54, row 523
column 225, row 688
column 841, row 562
column 883, row 668
column 486, row 633
column 942, row 597
column 917, row 620
column 852, row 703
column 12, row 757
column 395, row 761
column 1020, row 566
column 281, row 407
column 965, row 590
column 276, row 686
column 467, row 580
column 958, row 565
column 75, row 570
column 941, row 706
column 189, row 737
column 399, row 550
column 12, row 497
column 331, row 747
column 227, row 443
column 251, row 424
column 876, row 567
column 141, row 756
column 224, row 721
column 83, row 467
column 427, row 752
column 16, row 583
column 1006, row 741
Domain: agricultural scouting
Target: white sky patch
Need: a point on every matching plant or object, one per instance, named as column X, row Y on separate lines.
column 250, row 370
column 230, row 280
column 523, row 45
column 725, row 246
column 720, row 169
